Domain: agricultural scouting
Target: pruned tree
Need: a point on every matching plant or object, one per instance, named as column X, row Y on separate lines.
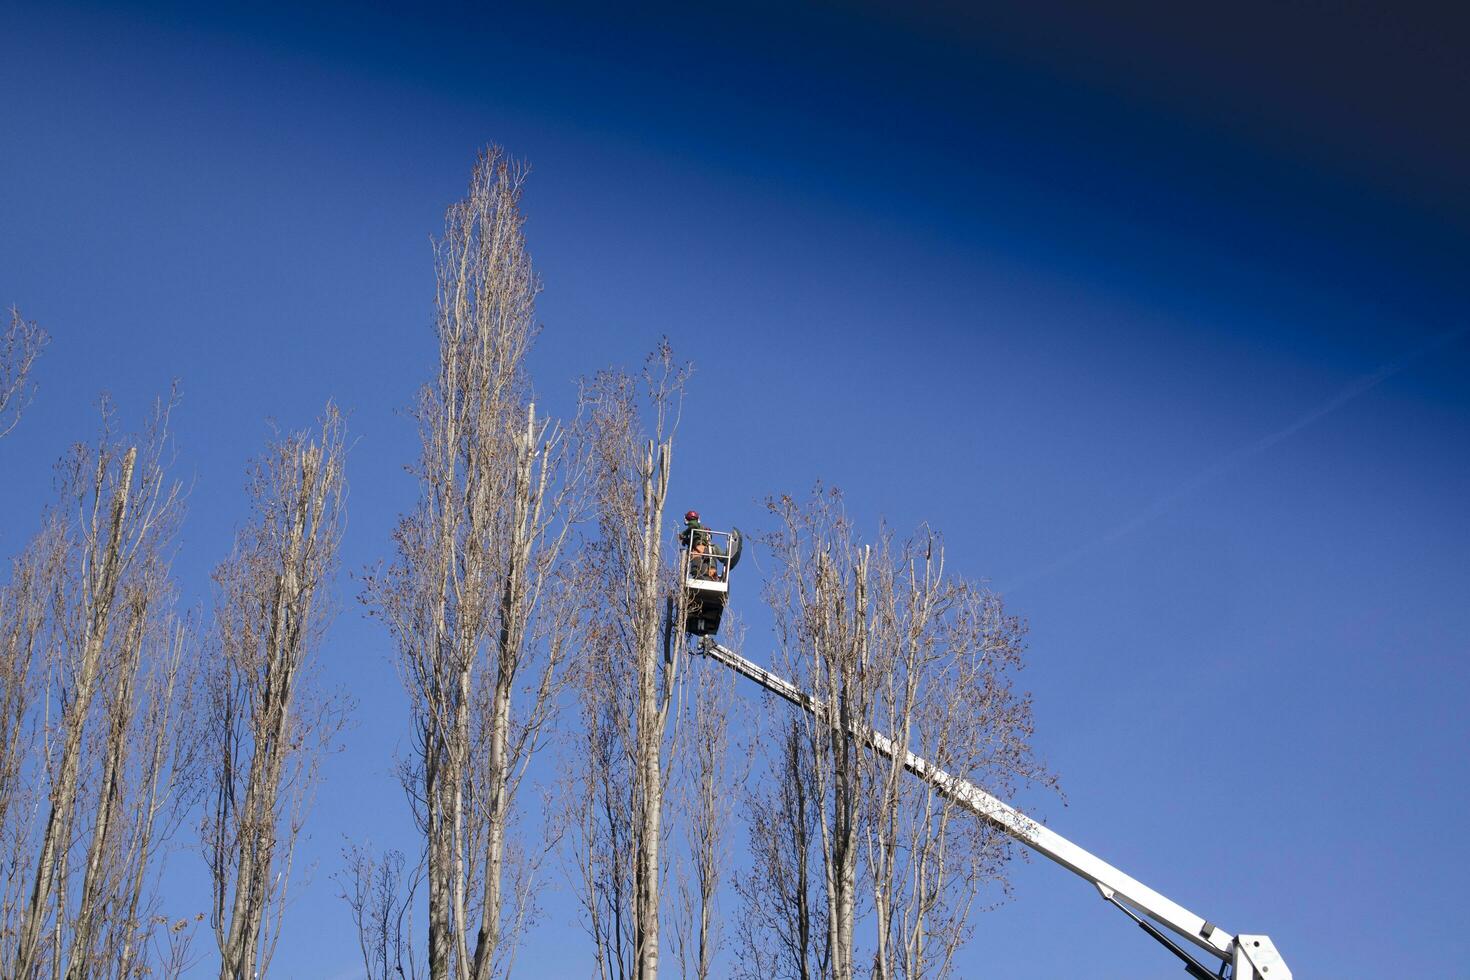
column 267, row 725
column 20, row 344
column 112, row 712
column 475, row 599
column 629, row 667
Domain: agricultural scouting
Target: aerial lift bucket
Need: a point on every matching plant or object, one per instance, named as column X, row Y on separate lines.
column 704, row 571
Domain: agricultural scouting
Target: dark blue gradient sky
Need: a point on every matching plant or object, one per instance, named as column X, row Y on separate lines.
column 1159, row 315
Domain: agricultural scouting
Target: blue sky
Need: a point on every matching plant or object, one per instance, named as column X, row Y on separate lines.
column 1158, row 316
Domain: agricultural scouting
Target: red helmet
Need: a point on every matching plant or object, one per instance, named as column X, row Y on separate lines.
column 693, row 515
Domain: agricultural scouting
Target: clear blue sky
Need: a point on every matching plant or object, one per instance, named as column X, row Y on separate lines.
column 1158, row 316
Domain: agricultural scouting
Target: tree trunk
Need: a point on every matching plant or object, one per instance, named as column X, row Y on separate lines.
column 120, row 708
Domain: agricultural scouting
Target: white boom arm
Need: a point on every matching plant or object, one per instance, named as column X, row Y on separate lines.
column 1249, row 957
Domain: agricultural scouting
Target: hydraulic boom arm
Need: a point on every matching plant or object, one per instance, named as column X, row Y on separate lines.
column 1248, row 957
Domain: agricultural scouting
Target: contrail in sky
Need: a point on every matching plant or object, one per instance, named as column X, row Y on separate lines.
column 1239, row 456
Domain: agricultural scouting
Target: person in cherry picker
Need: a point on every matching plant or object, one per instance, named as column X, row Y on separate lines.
column 693, row 529
column 709, row 561
column 702, row 552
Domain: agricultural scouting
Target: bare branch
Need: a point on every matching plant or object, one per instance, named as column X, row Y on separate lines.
column 20, row 344
column 379, row 892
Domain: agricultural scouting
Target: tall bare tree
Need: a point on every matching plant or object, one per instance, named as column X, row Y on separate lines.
column 630, row 665
column 886, row 641
column 267, row 726
column 20, row 344
column 113, row 744
column 947, row 653
column 23, row 616
column 474, row 598
column 820, row 599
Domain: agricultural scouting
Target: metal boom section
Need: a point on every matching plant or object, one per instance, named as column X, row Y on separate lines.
column 1249, row 957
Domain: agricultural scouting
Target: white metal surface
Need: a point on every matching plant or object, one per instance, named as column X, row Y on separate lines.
column 1258, row 954
column 1260, row 957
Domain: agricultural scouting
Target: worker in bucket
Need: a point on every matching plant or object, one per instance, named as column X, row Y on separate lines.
column 694, row 532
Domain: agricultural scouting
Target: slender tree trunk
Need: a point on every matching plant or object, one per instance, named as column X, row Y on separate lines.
column 158, row 782
column 652, row 706
column 438, row 844
column 488, row 938
column 511, row 642
column 120, row 708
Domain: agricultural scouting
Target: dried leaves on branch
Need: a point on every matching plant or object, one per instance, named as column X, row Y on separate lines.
column 267, row 725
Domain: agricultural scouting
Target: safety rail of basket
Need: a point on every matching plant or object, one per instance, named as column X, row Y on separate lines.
column 705, row 561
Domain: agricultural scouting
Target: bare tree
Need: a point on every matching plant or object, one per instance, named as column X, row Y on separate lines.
column 106, row 711
column 379, row 892
column 947, row 652
column 23, row 599
column 599, row 799
column 148, row 752
column 20, row 344
column 474, row 598
column 266, row 725
column 702, row 800
column 820, row 598
column 26, row 604
column 630, row 665
column 888, row 642
column 782, row 930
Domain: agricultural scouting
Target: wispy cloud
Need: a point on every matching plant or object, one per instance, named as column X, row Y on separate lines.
column 1235, row 459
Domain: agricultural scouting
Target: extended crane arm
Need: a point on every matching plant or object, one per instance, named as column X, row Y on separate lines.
column 1249, row 957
